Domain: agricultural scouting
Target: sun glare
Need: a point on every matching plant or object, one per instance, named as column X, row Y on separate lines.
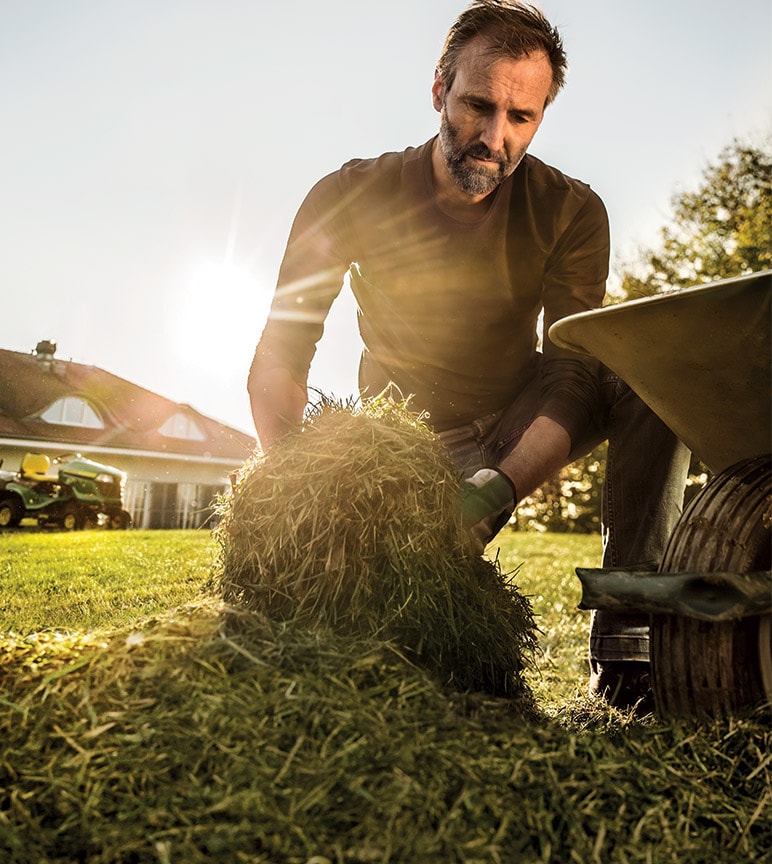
column 215, row 320
column 220, row 309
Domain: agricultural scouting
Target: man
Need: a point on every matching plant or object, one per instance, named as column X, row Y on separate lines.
column 453, row 250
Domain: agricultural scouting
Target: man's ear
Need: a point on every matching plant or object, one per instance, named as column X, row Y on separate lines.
column 438, row 92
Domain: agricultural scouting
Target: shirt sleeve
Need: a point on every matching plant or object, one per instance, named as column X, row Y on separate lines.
column 574, row 281
column 310, row 278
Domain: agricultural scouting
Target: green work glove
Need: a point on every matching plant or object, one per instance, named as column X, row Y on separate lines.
column 487, row 501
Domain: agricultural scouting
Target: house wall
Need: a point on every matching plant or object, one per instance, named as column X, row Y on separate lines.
column 172, row 505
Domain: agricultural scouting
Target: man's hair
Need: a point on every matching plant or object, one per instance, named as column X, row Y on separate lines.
column 512, row 30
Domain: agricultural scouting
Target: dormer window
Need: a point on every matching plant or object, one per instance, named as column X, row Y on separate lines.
column 179, row 425
column 73, row 411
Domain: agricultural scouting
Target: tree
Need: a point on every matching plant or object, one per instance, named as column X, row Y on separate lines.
column 720, row 230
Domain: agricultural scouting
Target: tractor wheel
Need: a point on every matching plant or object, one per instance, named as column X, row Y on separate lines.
column 72, row 519
column 120, row 520
column 705, row 668
column 11, row 512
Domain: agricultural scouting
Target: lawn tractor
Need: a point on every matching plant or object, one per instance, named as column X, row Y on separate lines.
column 71, row 492
column 701, row 358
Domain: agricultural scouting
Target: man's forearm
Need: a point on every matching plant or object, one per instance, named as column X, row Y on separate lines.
column 541, row 452
column 277, row 402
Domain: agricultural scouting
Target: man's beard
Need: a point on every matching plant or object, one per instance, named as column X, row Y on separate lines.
column 472, row 178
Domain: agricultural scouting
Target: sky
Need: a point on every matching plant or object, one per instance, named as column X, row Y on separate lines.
column 153, row 154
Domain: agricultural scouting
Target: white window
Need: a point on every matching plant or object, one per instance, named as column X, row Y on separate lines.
column 181, row 426
column 73, row 411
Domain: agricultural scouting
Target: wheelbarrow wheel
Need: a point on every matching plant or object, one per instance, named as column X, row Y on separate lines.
column 703, row 668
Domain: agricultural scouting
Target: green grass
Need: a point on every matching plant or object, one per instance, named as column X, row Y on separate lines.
column 93, row 579
column 136, row 729
column 545, row 565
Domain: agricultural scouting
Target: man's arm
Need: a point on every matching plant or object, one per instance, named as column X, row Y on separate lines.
column 277, row 402
column 574, row 282
column 541, row 452
column 310, row 278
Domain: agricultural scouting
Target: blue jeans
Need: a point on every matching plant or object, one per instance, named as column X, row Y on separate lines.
column 643, row 489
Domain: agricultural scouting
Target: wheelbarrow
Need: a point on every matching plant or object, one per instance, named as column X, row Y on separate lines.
column 701, row 358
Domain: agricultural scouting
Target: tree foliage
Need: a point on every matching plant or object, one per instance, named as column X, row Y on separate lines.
column 721, row 229
column 570, row 502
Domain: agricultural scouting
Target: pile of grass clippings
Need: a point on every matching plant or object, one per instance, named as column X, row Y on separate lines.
column 181, row 741
column 352, row 523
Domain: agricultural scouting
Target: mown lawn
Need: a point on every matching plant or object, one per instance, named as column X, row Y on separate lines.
column 89, row 580
column 136, row 729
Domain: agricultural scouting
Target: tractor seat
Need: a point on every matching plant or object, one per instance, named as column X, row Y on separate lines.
column 36, row 466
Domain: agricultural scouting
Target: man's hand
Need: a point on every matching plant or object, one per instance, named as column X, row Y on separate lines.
column 487, row 501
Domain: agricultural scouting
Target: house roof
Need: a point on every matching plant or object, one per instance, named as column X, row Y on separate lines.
column 132, row 416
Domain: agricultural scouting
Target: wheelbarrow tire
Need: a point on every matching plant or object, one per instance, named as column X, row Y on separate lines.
column 703, row 668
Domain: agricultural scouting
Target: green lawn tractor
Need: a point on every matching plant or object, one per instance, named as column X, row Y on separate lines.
column 71, row 493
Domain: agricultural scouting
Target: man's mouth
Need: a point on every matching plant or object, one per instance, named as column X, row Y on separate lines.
column 486, row 161
column 483, row 156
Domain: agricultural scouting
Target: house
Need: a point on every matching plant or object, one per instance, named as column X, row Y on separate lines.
column 176, row 460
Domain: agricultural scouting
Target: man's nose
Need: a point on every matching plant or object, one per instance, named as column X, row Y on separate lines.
column 494, row 132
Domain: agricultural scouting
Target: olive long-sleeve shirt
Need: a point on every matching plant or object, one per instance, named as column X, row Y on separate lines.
column 447, row 310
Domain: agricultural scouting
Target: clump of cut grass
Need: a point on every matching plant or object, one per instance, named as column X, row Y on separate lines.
column 351, row 523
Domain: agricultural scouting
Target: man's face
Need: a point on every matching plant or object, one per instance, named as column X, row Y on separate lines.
column 489, row 115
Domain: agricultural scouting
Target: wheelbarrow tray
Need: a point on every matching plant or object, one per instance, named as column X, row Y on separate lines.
column 701, row 358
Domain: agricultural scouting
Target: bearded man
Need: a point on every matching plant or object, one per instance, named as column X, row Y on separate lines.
column 454, row 250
